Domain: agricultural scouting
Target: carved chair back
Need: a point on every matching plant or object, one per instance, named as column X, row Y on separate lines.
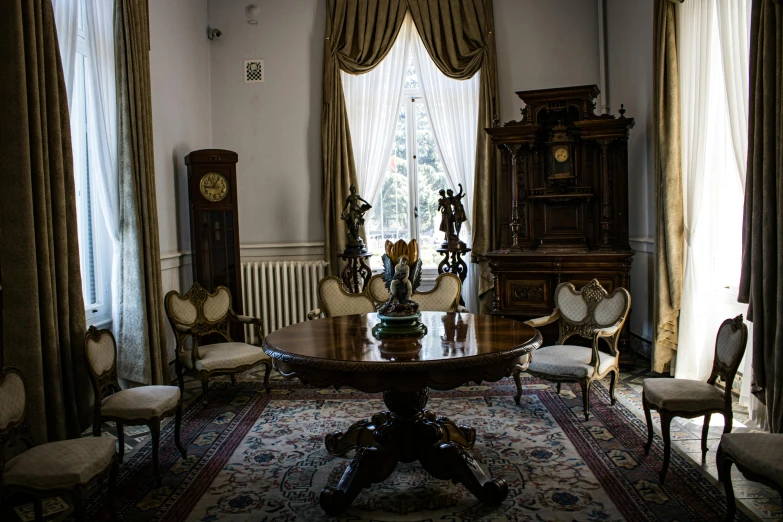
column 729, row 348
column 199, row 312
column 335, row 300
column 100, row 353
column 376, row 289
column 13, row 411
column 444, row 296
column 587, row 311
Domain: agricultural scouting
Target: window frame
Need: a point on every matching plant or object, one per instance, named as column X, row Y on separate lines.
column 98, row 313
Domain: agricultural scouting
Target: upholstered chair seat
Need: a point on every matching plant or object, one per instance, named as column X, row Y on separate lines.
column 688, row 398
column 758, row 456
column 142, row 406
column 67, row 467
column 144, row 402
column 569, row 361
column 199, row 313
column 591, row 313
column 60, row 465
column 682, row 394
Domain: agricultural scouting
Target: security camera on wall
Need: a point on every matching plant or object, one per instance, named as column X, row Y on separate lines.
column 213, row 33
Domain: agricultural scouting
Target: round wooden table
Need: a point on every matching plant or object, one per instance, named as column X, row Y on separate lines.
column 458, row 348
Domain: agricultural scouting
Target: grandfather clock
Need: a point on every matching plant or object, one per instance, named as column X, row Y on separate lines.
column 214, row 223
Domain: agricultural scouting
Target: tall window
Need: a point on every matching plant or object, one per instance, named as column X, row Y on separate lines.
column 407, row 205
column 94, row 243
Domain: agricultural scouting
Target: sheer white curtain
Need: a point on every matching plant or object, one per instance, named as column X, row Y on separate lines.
column 694, row 35
column 66, row 21
column 452, row 107
column 372, row 101
column 102, row 124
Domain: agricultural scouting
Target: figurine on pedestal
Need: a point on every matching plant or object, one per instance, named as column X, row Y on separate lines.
column 353, row 215
column 399, row 315
column 356, row 273
column 453, row 215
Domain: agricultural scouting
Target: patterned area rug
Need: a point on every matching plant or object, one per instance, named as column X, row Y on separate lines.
column 259, row 457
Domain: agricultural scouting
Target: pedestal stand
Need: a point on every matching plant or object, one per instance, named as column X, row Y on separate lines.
column 356, row 272
column 453, row 263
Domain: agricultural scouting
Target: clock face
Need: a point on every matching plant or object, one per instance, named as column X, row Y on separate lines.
column 214, row 186
column 561, row 154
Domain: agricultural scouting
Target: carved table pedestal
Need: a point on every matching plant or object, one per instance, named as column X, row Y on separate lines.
column 341, row 351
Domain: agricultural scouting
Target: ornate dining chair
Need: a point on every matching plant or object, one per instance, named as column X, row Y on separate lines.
column 334, row 300
column 688, row 398
column 199, row 313
column 443, row 297
column 593, row 314
column 142, row 406
column 758, row 456
column 64, row 467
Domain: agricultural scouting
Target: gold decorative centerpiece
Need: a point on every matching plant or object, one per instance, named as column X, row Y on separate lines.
column 400, row 315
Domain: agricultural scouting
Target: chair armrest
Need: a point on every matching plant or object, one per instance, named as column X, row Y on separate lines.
column 462, row 310
column 314, row 314
column 246, row 319
column 608, row 332
column 183, row 329
column 543, row 321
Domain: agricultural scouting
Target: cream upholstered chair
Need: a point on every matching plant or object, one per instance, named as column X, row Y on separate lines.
column 334, row 300
column 591, row 313
column 758, row 456
column 56, row 468
column 689, row 399
column 199, row 313
column 142, row 406
column 444, row 296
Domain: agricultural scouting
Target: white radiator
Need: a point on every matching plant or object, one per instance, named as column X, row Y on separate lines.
column 279, row 293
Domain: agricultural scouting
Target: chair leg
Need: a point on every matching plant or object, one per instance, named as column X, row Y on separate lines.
column 155, row 433
column 204, row 390
column 559, row 385
column 648, row 418
column 96, row 427
column 666, row 421
column 38, row 509
column 728, row 421
column 177, row 430
column 79, row 498
column 113, row 472
column 724, row 475
column 121, row 441
column 612, row 383
column 705, row 432
column 518, row 382
column 267, row 374
column 586, row 399
column 233, row 379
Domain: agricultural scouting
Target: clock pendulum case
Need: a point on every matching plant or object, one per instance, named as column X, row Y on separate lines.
column 214, row 224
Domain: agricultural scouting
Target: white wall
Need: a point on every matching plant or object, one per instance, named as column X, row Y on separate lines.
column 274, row 126
column 179, row 68
column 630, row 74
column 542, row 44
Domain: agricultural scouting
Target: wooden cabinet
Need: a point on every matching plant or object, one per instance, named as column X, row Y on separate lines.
column 561, row 201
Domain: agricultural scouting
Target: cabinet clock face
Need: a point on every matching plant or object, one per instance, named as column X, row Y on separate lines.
column 561, row 154
column 214, row 186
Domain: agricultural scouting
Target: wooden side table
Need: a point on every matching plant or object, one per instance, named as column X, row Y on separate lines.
column 356, row 273
column 453, row 263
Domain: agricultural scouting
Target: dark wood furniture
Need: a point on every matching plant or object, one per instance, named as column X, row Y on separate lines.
column 356, row 273
column 214, row 223
column 341, row 351
column 54, row 468
column 452, row 263
column 687, row 398
column 140, row 406
column 202, row 315
column 560, row 200
column 758, row 456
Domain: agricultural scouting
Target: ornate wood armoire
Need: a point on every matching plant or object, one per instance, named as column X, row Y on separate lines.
column 561, row 202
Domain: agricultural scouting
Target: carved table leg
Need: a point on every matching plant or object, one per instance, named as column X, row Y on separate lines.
column 405, row 433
